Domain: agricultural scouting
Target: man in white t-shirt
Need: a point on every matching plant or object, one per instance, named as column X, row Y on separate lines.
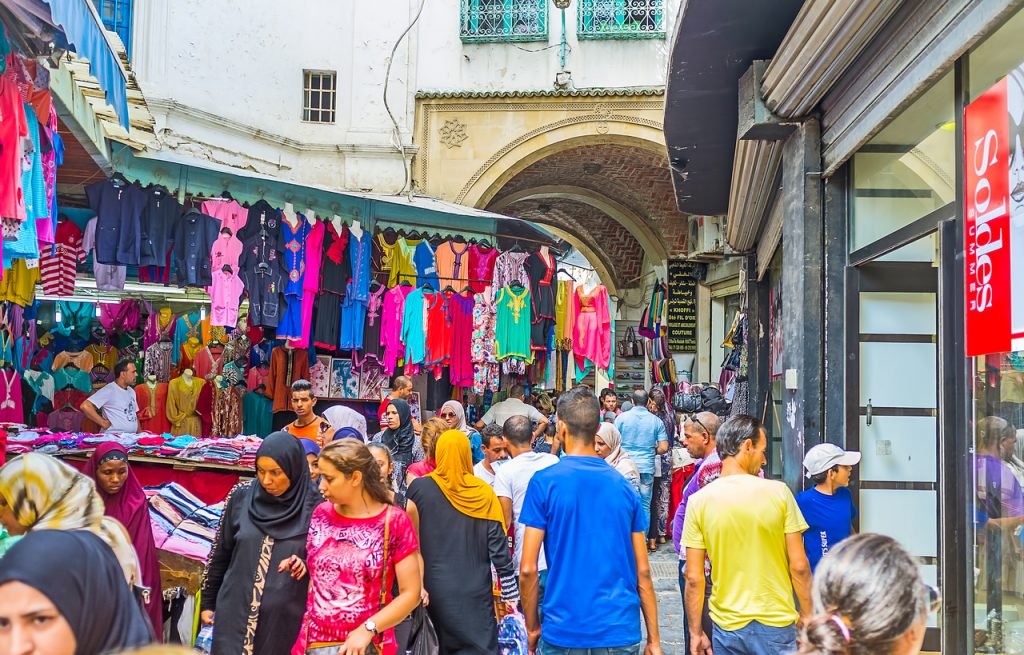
column 114, row 407
column 493, row 445
column 514, row 477
column 514, row 406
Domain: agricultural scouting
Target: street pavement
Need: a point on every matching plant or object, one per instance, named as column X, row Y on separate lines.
column 665, row 571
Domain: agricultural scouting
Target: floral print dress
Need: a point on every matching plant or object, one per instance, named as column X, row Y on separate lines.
column 486, row 369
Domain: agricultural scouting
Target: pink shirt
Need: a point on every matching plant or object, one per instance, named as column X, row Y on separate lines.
column 346, row 558
column 391, row 326
column 230, row 213
column 226, row 250
column 225, row 295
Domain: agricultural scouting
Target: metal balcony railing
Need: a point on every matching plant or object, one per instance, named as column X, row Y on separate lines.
column 621, row 19
column 496, row 21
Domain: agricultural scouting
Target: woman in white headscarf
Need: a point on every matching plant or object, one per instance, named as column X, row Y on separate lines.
column 608, row 445
column 453, row 414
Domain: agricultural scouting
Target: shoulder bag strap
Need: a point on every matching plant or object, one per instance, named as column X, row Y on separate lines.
column 384, row 573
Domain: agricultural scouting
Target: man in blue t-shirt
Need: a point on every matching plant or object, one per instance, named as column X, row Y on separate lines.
column 576, row 508
column 828, row 505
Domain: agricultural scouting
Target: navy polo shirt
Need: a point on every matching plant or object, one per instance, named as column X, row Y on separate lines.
column 194, row 234
column 118, row 208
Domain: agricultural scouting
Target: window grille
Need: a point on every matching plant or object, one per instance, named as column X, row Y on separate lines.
column 319, row 96
column 117, row 17
column 504, row 20
column 621, row 19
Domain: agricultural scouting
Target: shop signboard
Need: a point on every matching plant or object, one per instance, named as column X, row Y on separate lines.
column 994, row 220
column 681, row 306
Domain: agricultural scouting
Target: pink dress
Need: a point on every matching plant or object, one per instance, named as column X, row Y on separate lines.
column 593, row 332
column 460, row 317
column 311, row 281
column 230, row 214
column 391, row 326
column 346, row 558
column 481, row 267
column 225, row 296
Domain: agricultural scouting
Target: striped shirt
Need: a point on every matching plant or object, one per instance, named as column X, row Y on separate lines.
column 57, row 265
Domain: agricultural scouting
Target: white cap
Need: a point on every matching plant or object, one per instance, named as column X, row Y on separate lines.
column 824, row 456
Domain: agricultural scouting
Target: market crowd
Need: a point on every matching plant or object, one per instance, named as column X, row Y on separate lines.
column 527, row 532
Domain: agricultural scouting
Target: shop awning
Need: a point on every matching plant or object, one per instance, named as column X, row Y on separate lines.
column 76, row 26
column 197, row 177
column 715, row 41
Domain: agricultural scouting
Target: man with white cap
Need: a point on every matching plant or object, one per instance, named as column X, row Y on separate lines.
column 828, row 505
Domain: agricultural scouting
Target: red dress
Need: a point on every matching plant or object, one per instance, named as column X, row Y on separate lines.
column 439, row 331
column 153, row 408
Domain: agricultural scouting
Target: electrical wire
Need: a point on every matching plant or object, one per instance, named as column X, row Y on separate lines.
column 397, row 134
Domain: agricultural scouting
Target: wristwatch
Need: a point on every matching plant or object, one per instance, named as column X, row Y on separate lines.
column 371, row 626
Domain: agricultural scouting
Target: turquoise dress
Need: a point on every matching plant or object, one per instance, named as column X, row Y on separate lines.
column 512, row 329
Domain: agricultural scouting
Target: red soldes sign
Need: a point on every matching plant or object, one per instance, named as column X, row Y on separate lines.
column 994, row 221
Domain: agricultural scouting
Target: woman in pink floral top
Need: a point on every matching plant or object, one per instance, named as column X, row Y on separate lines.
column 344, row 612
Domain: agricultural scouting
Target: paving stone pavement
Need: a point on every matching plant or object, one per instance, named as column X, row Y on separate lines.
column 665, row 571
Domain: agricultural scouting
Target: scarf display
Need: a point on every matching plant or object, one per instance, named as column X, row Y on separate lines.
column 287, row 515
column 454, row 476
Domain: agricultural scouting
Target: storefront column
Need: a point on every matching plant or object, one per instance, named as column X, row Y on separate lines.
column 835, row 258
column 758, row 366
column 802, row 321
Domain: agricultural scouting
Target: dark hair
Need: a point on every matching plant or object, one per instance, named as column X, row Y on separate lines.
column 639, row 398
column 658, row 396
column 349, row 456
column 402, row 382
column 491, row 431
column 871, row 586
column 735, row 431
column 580, row 411
column 518, row 430
column 605, row 393
column 302, row 385
column 121, row 366
column 517, row 391
column 377, row 445
column 819, row 478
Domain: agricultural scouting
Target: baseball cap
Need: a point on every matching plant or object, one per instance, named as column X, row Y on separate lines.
column 824, row 456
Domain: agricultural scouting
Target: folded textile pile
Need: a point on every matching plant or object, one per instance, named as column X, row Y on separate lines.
column 182, row 524
column 239, row 451
column 173, row 447
column 127, row 440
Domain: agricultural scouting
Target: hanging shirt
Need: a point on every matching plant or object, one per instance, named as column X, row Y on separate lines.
column 403, row 266
column 512, row 329
column 10, row 398
column 264, row 221
column 335, row 266
column 426, row 269
column 413, row 323
column 452, row 264
column 188, row 326
column 152, row 408
column 294, row 240
column 592, row 327
column 230, row 214
column 439, row 332
column 392, row 314
column 108, row 277
column 194, row 235
column 382, row 257
column 481, row 266
column 509, row 267
column 359, row 253
column 13, row 128
column 18, row 284
column 460, row 319
column 158, row 218
column 225, row 296
column 118, row 208
column 225, row 252
column 257, row 416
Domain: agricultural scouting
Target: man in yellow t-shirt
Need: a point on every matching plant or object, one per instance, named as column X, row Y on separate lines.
column 750, row 528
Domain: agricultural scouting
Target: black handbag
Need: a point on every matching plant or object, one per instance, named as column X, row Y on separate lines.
column 687, row 403
column 423, row 638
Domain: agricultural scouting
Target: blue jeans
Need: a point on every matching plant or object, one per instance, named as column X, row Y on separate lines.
column 755, row 638
column 705, row 617
column 646, row 489
column 548, row 649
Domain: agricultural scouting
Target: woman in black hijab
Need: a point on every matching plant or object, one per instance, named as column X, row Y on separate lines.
column 399, row 438
column 62, row 592
column 254, row 592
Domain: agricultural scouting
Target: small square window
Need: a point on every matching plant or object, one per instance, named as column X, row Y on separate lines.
column 318, row 96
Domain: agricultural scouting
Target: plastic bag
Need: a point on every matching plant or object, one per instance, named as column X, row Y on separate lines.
column 512, row 637
column 204, row 640
column 423, row 638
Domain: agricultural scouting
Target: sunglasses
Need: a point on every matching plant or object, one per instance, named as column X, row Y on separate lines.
column 447, row 414
column 693, row 417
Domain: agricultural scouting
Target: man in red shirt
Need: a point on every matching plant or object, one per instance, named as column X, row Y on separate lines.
column 402, row 389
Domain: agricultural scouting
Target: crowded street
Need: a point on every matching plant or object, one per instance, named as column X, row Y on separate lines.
column 511, row 327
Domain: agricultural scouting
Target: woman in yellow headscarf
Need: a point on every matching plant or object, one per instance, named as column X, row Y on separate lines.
column 39, row 492
column 462, row 533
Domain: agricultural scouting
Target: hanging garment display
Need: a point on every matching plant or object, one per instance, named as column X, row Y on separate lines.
column 257, row 414
column 509, row 267
column 460, row 321
column 161, row 212
column 512, row 327
column 159, row 325
column 452, row 262
column 540, row 267
column 152, row 401
column 311, row 280
column 382, row 258
column 262, row 220
column 293, row 237
column 25, row 244
column 481, row 266
column 592, row 334
column 357, row 292
column 227, row 411
column 13, row 128
column 18, row 284
column 186, row 327
column 426, row 269
column 413, row 322
column 392, row 314
column 231, row 215
column 486, row 368
column 208, row 362
column 438, row 333
column 372, row 346
column 118, row 206
column 11, row 410
column 194, row 235
column 57, row 264
column 403, row 265
column 159, row 360
column 225, row 297
column 182, row 395
column 225, row 251
column 108, row 277
column 564, row 315
column 286, row 366
column 335, row 270
column 262, row 271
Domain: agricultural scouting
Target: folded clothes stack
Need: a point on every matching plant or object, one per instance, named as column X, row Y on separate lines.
column 239, row 451
column 182, row 523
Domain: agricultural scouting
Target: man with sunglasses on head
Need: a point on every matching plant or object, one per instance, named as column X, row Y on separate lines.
column 699, row 434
